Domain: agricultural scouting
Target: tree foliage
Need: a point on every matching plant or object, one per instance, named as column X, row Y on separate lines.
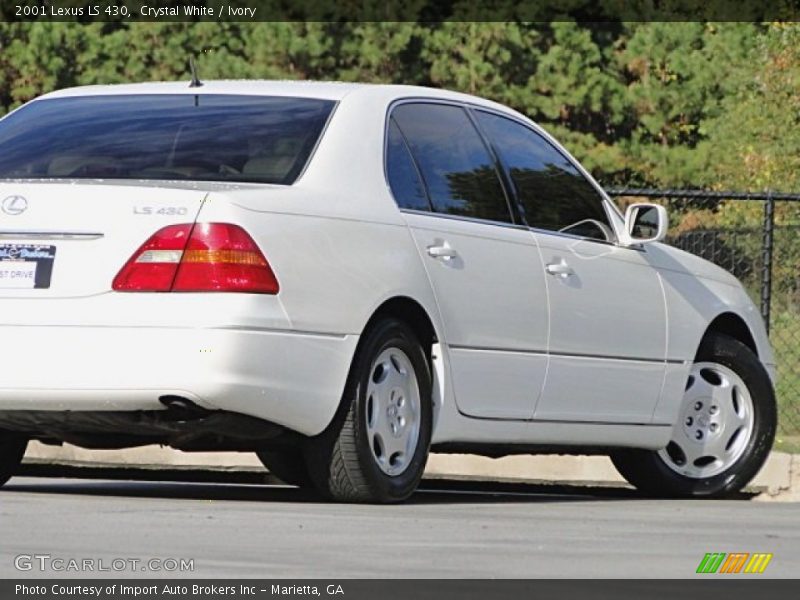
column 660, row 104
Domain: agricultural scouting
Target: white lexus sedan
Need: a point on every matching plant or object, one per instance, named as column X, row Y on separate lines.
column 343, row 278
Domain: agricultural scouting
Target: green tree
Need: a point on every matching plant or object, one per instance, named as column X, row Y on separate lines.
column 679, row 76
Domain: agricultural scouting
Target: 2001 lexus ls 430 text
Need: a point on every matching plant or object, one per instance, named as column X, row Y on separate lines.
column 343, row 277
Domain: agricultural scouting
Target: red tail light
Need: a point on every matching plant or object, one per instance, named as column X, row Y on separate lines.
column 153, row 266
column 206, row 257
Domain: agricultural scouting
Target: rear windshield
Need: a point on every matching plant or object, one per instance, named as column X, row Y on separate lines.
column 195, row 137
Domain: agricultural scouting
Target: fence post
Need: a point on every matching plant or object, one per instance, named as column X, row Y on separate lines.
column 767, row 246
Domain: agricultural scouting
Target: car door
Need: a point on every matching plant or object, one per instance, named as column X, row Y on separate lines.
column 491, row 295
column 607, row 344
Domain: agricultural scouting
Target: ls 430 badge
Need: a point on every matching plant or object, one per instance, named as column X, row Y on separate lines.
column 167, row 211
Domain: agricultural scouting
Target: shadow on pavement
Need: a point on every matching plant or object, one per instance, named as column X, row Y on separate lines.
column 260, row 486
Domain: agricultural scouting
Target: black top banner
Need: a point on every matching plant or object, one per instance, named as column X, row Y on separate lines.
column 87, row 11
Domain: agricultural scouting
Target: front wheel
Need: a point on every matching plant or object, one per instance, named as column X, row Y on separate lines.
column 377, row 446
column 12, row 449
column 724, row 432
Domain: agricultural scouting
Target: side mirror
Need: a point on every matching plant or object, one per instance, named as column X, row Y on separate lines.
column 645, row 223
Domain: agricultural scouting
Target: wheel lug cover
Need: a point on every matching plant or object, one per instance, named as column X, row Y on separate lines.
column 393, row 411
column 716, row 423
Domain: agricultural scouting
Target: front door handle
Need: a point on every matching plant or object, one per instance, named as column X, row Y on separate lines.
column 560, row 269
column 443, row 251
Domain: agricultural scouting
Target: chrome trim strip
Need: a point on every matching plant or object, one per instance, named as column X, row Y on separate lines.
column 540, row 421
column 51, row 235
column 436, row 215
column 676, row 361
column 239, row 328
column 560, row 234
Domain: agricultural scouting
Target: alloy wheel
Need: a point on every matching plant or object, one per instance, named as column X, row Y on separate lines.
column 715, row 423
column 393, row 411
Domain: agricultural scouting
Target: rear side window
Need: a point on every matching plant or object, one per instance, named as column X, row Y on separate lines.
column 404, row 179
column 455, row 164
column 554, row 194
column 163, row 136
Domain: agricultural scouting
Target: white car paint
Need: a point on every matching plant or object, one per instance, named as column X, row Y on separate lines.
column 523, row 357
column 494, row 267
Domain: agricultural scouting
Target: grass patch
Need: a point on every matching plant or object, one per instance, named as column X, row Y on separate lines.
column 787, row 443
column 785, row 339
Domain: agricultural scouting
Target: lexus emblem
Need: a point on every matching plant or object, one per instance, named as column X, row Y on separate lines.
column 15, row 205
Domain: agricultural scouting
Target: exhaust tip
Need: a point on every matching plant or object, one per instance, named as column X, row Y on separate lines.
column 181, row 405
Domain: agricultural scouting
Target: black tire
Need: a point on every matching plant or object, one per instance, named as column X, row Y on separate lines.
column 288, row 465
column 12, row 449
column 340, row 460
column 648, row 472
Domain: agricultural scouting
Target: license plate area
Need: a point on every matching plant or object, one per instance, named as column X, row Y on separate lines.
column 26, row 266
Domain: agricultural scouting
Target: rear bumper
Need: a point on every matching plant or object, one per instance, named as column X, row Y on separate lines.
column 293, row 379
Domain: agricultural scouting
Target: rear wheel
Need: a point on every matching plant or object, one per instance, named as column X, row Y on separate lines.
column 12, row 449
column 376, row 448
column 288, row 465
column 724, row 432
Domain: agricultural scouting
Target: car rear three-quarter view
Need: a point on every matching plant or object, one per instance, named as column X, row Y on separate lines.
column 342, row 278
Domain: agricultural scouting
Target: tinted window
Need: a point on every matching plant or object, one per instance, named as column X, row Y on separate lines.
column 403, row 176
column 457, row 168
column 554, row 194
column 196, row 137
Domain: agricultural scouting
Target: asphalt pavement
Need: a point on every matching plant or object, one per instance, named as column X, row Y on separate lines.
column 244, row 530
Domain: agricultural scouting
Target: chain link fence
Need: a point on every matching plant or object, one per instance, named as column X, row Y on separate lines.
column 757, row 238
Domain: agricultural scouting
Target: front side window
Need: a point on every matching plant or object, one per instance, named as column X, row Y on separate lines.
column 203, row 137
column 554, row 194
column 456, row 166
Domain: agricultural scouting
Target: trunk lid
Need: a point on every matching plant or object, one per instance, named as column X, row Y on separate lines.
column 69, row 239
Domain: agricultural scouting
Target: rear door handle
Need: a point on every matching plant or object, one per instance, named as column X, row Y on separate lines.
column 443, row 251
column 560, row 269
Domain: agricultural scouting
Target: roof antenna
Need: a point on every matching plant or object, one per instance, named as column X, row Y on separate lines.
column 195, row 79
